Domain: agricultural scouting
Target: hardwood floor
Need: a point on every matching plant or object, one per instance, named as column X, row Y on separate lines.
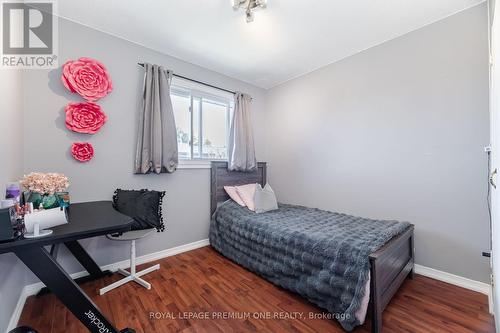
column 203, row 281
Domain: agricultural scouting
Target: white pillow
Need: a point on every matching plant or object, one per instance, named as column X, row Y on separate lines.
column 265, row 199
column 247, row 193
column 233, row 194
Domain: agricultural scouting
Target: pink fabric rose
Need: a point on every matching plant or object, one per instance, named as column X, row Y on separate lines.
column 87, row 77
column 85, row 118
column 82, row 151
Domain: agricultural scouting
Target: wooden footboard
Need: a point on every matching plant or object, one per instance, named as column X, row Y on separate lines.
column 389, row 267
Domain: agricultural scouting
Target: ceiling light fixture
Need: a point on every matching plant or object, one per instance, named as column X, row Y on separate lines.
column 249, row 6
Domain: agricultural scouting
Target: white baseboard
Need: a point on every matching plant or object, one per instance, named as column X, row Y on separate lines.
column 33, row 289
column 480, row 287
column 14, row 319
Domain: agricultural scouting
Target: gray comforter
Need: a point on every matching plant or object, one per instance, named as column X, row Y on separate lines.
column 320, row 255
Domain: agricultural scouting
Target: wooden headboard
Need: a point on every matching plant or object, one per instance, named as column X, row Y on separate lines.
column 221, row 177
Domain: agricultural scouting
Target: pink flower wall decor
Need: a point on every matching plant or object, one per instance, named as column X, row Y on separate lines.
column 82, row 151
column 87, row 77
column 85, row 118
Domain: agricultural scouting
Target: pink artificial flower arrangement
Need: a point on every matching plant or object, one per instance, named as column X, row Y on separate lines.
column 82, row 151
column 45, row 183
column 85, row 118
column 87, row 77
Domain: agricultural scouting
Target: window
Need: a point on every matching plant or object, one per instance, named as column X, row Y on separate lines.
column 202, row 121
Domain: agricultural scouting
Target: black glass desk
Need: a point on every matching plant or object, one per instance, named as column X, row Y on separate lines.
column 86, row 220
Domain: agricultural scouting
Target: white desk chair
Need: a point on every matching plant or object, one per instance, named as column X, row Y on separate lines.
column 131, row 236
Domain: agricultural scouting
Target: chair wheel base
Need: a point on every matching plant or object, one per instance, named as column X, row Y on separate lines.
column 131, row 276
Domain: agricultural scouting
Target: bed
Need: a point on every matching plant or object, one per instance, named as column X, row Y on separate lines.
column 334, row 260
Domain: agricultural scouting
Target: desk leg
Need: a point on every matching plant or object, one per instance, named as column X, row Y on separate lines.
column 54, row 250
column 41, row 263
column 84, row 259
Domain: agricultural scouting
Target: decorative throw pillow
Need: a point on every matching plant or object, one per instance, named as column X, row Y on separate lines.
column 143, row 206
column 247, row 193
column 233, row 194
column 265, row 199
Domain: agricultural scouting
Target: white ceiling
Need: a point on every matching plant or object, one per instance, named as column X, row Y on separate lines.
column 286, row 40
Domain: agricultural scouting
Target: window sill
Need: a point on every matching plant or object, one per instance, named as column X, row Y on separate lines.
column 194, row 164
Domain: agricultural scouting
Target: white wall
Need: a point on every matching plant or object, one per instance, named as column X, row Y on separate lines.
column 47, row 141
column 395, row 132
column 495, row 144
column 12, row 271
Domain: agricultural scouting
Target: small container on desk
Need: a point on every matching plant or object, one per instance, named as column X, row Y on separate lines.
column 37, row 223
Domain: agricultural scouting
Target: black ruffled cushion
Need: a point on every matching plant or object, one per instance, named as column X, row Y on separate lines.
column 143, row 206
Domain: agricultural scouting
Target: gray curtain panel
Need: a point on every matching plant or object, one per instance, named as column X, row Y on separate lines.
column 241, row 145
column 157, row 136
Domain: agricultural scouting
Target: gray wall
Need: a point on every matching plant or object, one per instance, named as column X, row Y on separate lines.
column 46, row 147
column 395, row 132
column 12, row 271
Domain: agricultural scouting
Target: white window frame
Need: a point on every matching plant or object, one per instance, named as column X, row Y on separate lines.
column 194, row 91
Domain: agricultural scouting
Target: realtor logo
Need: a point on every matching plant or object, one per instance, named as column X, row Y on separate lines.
column 29, row 35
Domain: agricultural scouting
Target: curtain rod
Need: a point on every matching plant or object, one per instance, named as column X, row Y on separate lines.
column 196, row 81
